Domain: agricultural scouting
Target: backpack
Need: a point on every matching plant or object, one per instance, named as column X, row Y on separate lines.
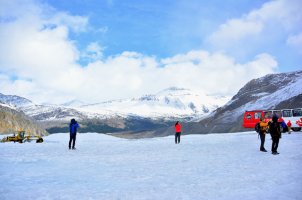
column 257, row 127
column 274, row 129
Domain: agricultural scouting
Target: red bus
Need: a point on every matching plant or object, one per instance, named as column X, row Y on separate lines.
column 251, row 118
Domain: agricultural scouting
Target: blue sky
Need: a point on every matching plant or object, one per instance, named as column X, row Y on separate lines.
column 166, row 28
column 107, row 45
column 160, row 28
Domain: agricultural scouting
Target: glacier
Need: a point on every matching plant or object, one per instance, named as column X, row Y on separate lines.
column 214, row 166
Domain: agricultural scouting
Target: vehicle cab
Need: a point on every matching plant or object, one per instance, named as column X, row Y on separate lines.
column 251, row 118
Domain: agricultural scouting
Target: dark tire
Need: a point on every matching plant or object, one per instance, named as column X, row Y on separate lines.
column 40, row 140
column 296, row 129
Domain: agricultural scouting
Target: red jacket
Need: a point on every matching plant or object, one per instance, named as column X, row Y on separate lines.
column 177, row 128
column 289, row 124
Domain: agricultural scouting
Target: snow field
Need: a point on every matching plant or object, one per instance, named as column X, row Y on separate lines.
column 216, row 166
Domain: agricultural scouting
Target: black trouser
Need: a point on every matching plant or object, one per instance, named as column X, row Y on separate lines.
column 72, row 139
column 177, row 137
column 262, row 137
column 275, row 143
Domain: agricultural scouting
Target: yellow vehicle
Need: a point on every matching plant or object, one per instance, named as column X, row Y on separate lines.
column 21, row 138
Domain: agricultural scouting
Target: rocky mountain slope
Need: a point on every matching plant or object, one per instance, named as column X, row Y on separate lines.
column 12, row 121
column 273, row 91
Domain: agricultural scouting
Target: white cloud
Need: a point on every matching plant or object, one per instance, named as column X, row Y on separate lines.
column 36, row 50
column 235, row 30
column 93, row 52
column 131, row 74
column 75, row 23
column 273, row 20
column 295, row 41
column 217, row 73
column 35, row 45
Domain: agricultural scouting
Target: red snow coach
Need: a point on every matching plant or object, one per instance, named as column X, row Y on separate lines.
column 251, row 118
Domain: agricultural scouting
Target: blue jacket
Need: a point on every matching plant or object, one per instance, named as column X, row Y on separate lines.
column 283, row 124
column 73, row 128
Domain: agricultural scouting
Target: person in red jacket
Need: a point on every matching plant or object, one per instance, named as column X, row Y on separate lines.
column 177, row 132
column 289, row 125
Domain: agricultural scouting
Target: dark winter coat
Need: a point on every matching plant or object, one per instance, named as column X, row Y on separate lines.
column 274, row 128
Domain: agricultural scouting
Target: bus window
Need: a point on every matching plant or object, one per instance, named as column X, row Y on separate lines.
column 249, row 116
column 287, row 113
column 258, row 115
column 297, row 112
column 277, row 112
column 268, row 114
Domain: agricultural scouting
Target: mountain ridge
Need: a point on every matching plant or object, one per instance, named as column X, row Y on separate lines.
column 276, row 91
column 268, row 92
column 150, row 111
column 273, row 91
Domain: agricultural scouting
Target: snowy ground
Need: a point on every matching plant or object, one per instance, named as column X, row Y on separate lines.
column 216, row 166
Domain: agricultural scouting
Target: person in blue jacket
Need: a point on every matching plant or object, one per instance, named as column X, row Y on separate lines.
column 284, row 126
column 73, row 132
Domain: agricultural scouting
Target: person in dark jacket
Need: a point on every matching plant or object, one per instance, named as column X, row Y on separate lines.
column 275, row 132
column 73, row 132
column 177, row 132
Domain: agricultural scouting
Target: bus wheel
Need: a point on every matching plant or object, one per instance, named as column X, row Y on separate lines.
column 296, row 129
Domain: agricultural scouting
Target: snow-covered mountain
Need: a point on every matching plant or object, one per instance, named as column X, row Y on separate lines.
column 268, row 91
column 169, row 103
column 149, row 112
column 13, row 119
column 73, row 103
column 14, row 101
column 141, row 113
column 273, row 91
column 36, row 111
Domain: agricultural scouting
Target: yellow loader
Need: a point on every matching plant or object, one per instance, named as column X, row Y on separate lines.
column 21, row 138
